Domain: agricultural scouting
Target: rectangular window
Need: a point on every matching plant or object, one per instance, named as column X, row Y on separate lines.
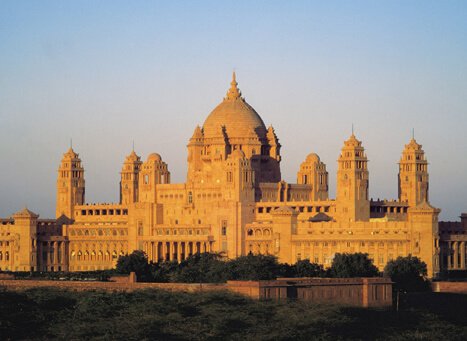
column 224, row 228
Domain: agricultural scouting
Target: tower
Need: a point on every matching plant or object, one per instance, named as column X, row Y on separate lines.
column 70, row 184
column 352, row 182
column 26, row 237
column 130, row 178
column 413, row 174
column 195, row 150
column 153, row 172
column 313, row 172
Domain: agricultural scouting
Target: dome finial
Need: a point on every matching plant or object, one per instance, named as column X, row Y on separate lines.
column 233, row 93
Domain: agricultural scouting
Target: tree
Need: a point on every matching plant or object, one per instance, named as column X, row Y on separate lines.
column 304, row 268
column 408, row 273
column 201, row 267
column 136, row 262
column 352, row 265
column 254, row 267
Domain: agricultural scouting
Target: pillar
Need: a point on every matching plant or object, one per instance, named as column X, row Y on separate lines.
column 449, row 253
column 49, row 258
column 55, row 256
column 462, row 253
column 179, row 252
column 171, row 249
column 164, row 251
column 456, row 255
column 64, row 256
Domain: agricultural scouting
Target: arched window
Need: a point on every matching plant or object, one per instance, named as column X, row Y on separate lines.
column 250, row 232
column 190, row 197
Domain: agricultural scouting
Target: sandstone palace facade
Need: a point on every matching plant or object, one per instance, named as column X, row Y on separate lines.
column 235, row 202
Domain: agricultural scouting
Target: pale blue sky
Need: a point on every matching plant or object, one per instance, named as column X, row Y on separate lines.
column 108, row 72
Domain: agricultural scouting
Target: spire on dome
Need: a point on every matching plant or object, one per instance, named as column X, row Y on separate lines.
column 233, row 93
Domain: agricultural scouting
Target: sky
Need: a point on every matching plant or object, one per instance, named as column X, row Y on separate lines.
column 105, row 73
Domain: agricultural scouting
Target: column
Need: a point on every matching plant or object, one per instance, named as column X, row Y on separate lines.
column 179, row 252
column 156, row 251
column 55, row 256
column 302, row 251
column 449, row 252
column 39, row 255
column 462, row 252
column 164, row 250
column 49, row 258
column 456, row 255
column 171, row 253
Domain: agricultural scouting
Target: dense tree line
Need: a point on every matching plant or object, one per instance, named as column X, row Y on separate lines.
column 408, row 273
column 210, row 267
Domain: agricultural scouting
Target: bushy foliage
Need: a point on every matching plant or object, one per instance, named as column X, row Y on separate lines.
column 254, row 267
column 407, row 273
column 47, row 313
column 136, row 262
column 201, row 267
column 211, row 268
column 304, row 268
column 352, row 265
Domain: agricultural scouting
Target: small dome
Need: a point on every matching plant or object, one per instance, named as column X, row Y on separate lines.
column 313, row 157
column 236, row 115
column 154, row 157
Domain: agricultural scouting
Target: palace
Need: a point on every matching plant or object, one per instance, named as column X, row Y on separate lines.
column 235, row 202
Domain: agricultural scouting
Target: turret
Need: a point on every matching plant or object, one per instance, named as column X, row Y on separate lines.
column 153, row 172
column 413, row 174
column 274, row 145
column 352, row 182
column 70, row 184
column 313, row 172
column 26, row 237
column 195, row 150
column 240, row 176
column 130, row 179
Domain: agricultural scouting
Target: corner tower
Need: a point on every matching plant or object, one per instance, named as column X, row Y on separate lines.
column 413, row 174
column 70, row 184
column 130, row 178
column 153, row 172
column 352, row 182
column 313, row 172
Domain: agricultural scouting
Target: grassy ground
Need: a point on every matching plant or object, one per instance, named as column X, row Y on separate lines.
column 160, row 315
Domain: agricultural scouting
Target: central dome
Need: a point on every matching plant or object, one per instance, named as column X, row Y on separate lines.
column 236, row 115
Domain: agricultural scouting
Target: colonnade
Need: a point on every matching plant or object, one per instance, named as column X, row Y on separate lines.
column 55, row 256
column 456, row 256
column 158, row 251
